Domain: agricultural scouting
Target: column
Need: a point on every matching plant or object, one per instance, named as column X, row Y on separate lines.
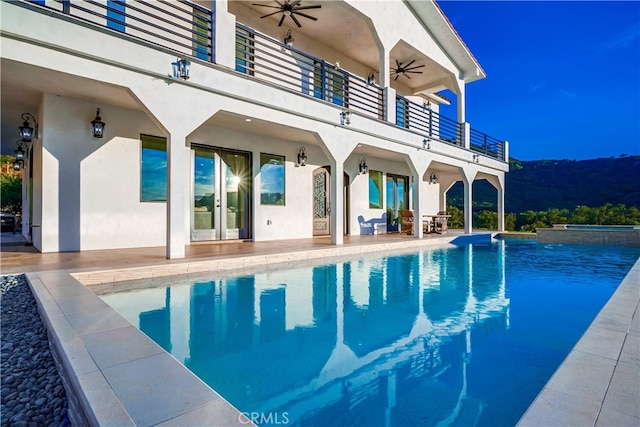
column 177, row 194
column 337, row 202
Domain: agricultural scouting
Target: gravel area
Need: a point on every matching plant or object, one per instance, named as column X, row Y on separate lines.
column 32, row 391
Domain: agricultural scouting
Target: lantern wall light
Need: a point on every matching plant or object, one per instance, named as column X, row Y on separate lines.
column 288, row 39
column 345, row 117
column 97, row 126
column 302, row 157
column 27, row 133
column 181, row 68
column 433, row 179
column 363, row 166
column 426, row 144
column 21, row 154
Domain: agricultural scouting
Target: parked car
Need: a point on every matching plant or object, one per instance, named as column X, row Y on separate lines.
column 8, row 221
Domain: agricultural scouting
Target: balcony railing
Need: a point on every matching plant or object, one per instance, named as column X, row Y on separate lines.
column 487, row 145
column 187, row 28
column 179, row 25
column 420, row 118
column 268, row 59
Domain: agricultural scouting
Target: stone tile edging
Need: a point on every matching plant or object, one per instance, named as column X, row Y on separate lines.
column 125, row 380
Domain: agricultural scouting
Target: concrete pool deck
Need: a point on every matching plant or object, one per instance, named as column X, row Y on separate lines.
column 597, row 384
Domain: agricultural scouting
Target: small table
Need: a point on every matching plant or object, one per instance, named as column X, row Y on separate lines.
column 430, row 220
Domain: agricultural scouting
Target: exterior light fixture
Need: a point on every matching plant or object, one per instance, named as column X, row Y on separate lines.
column 371, row 78
column 433, row 179
column 288, row 39
column 476, row 158
column 21, row 154
column 302, row 157
column 97, row 126
column 426, row 144
column 345, row 117
column 181, row 68
column 363, row 166
column 26, row 131
column 426, row 104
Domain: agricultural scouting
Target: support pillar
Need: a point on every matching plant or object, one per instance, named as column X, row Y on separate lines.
column 337, row 203
column 177, row 194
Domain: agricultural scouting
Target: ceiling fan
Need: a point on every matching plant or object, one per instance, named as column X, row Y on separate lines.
column 290, row 8
column 405, row 69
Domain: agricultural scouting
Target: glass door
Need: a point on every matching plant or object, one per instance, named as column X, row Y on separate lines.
column 397, row 200
column 221, row 194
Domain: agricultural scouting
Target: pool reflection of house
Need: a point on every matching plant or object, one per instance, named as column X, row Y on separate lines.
column 356, row 334
column 321, row 133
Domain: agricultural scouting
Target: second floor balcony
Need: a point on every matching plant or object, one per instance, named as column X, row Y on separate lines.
column 189, row 29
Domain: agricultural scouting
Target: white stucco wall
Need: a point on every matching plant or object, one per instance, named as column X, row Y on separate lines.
column 91, row 187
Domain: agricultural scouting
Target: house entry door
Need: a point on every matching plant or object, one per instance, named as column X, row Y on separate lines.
column 221, row 191
column 321, row 201
column 397, row 200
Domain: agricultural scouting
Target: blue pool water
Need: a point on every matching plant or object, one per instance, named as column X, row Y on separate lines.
column 462, row 335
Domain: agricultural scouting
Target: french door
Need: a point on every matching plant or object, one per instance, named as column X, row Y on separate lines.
column 397, row 199
column 221, row 194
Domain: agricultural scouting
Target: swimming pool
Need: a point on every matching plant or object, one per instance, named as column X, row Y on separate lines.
column 452, row 336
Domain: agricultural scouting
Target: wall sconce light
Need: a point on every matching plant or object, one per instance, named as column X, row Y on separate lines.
column 426, row 104
column 181, row 68
column 26, row 131
column 426, row 144
column 21, row 154
column 433, row 179
column 288, row 39
column 363, row 166
column 97, row 125
column 302, row 157
column 371, row 78
column 345, row 117
column 476, row 158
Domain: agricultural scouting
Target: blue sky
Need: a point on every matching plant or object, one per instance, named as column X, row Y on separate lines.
column 563, row 78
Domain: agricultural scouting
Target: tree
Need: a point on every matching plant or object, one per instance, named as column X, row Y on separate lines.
column 10, row 186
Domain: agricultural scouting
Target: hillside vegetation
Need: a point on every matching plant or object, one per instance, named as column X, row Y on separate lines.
column 543, row 192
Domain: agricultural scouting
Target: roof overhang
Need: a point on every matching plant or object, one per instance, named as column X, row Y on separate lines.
column 446, row 36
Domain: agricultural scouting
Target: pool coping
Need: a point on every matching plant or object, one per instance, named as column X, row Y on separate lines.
column 107, row 385
column 111, row 370
column 598, row 383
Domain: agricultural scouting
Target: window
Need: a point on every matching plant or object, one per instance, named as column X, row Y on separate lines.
column 153, row 170
column 402, row 113
column 115, row 14
column 200, row 35
column 244, row 52
column 271, row 179
column 375, row 189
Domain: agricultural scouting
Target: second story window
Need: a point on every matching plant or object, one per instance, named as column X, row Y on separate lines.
column 200, row 35
column 116, row 15
column 244, row 52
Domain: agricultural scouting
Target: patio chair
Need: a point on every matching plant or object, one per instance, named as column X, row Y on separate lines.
column 440, row 222
column 406, row 221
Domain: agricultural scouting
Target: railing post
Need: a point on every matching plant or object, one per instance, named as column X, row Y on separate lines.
column 323, row 80
column 486, row 149
column 505, row 151
column 430, row 122
column 66, row 6
column 466, row 135
column 390, row 104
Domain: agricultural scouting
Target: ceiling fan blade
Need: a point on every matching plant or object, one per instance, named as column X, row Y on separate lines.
column 407, row 76
column 304, row 14
column 315, row 6
column 398, row 64
column 397, row 75
column 416, row 67
column 295, row 20
column 266, row 5
column 409, row 64
column 414, row 72
column 281, row 20
column 269, row 14
column 295, row 2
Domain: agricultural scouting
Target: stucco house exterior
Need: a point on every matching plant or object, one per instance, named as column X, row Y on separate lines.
column 297, row 118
